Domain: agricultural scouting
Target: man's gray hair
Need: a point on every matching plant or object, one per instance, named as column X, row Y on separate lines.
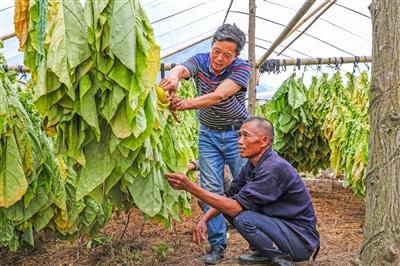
column 232, row 33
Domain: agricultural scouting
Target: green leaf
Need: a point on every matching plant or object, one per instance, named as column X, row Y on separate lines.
column 145, row 191
column 296, row 97
column 122, row 32
column 13, row 183
column 68, row 46
column 98, row 166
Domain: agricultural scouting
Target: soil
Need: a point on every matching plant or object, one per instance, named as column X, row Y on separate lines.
column 340, row 218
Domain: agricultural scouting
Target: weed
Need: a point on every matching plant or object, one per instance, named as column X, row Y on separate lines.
column 98, row 241
column 162, row 250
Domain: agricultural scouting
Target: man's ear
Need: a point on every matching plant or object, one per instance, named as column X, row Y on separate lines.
column 265, row 141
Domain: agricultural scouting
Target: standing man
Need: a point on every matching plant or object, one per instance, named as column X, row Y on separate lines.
column 267, row 203
column 221, row 80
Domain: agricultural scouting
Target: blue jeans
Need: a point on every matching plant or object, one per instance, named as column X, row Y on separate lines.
column 217, row 148
column 270, row 236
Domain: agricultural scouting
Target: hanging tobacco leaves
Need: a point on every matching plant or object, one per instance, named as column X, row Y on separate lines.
column 326, row 125
column 298, row 137
column 95, row 87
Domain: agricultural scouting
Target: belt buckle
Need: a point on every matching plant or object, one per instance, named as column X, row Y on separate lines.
column 220, row 128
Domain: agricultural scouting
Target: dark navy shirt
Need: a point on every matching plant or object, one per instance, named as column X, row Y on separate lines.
column 231, row 110
column 274, row 188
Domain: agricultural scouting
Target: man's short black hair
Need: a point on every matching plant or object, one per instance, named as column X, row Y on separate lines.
column 232, row 33
column 263, row 124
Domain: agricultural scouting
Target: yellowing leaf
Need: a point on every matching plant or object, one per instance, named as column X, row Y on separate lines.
column 21, row 20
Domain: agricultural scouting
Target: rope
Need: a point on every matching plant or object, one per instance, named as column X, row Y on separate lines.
column 355, row 66
column 41, row 30
column 319, row 64
column 271, row 65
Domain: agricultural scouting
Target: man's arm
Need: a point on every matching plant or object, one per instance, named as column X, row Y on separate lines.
column 171, row 81
column 223, row 204
column 226, row 89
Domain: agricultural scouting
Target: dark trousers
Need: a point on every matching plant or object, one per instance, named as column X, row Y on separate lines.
column 270, row 236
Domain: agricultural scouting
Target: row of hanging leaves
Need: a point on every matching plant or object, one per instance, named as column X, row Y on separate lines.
column 94, row 74
column 323, row 126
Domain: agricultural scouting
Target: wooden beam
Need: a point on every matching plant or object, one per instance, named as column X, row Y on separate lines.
column 18, row 68
column 300, row 13
column 286, row 62
column 7, row 36
column 322, row 61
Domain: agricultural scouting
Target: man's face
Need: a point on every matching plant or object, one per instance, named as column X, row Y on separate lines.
column 222, row 55
column 252, row 142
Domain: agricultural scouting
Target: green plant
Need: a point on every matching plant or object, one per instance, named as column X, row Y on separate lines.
column 98, row 241
column 162, row 250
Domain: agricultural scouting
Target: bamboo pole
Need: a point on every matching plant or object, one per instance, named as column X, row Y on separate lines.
column 309, row 25
column 7, row 36
column 252, row 57
column 286, row 62
column 323, row 61
column 298, row 25
column 300, row 13
column 18, row 68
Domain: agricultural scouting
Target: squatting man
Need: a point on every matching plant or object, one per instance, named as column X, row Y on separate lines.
column 267, row 203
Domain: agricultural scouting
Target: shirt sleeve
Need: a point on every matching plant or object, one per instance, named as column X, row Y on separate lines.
column 193, row 65
column 264, row 188
column 237, row 183
column 241, row 74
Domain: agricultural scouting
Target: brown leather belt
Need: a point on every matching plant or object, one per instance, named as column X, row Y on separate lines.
column 224, row 128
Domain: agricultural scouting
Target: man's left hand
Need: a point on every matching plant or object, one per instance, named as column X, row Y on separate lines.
column 178, row 181
column 179, row 104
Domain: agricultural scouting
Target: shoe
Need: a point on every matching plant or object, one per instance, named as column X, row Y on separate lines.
column 285, row 260
column 213, row 256
column 255, row 257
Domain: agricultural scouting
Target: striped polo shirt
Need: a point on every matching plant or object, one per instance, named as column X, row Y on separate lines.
column 231, row 110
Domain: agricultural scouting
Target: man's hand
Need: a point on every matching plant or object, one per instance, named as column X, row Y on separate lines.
column 178, row 181
column 177, row 103
column 169, row 84
column 199, row 232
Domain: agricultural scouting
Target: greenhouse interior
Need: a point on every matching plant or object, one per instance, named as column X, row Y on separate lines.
column 106, row 105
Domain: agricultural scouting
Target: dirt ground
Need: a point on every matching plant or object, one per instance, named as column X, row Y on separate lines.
column 340, row 218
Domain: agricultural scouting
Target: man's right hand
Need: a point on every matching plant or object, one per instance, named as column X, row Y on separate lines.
column 199, row 232
column 169, row 84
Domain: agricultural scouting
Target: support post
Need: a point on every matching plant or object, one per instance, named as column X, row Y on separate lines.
column 252, row 57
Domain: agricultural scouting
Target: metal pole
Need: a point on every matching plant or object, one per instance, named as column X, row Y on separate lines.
column 252, row 57
column 300, row 13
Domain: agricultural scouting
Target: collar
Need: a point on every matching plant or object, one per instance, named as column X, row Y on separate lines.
column 267, row 153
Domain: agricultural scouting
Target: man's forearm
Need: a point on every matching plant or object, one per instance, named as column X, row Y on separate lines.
column 211, row 213
column 226, row 89
column 203, row 101
column 179, row 72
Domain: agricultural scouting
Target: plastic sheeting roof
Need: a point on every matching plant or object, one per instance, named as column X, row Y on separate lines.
column 343, row 30
column 183, row 28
